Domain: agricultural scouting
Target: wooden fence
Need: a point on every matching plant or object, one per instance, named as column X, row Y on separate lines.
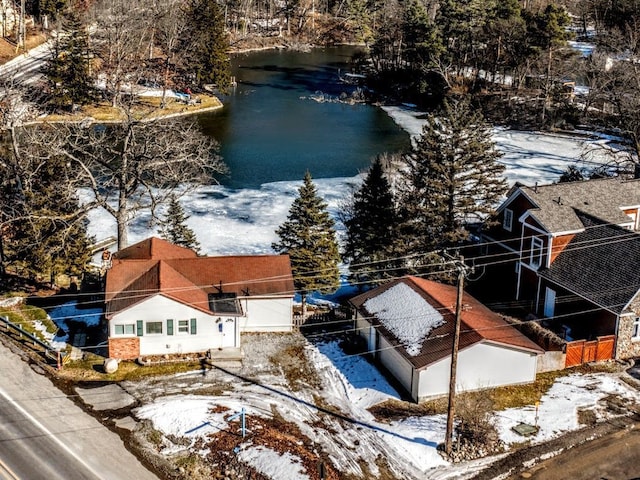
column 582, row 351
column 330, row 321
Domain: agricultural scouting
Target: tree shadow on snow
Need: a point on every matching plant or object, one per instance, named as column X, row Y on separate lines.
column 340, row 416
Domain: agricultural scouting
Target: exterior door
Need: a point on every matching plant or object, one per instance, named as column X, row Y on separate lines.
column 229, row 332
column 549, row 302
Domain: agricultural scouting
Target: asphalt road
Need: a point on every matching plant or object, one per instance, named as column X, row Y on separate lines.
column 613, row 457
column 44, row 435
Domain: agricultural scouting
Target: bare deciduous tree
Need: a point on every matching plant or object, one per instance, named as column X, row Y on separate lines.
column 121, row 40
column 133, row 166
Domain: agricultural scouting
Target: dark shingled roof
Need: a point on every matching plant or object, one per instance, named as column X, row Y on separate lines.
column 600, row 264
column 479, row 324
column 602, row 198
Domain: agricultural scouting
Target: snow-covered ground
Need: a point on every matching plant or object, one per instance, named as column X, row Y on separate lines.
column 351, row 385
column 244, row 221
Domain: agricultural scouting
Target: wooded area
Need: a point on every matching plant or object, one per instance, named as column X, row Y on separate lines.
column 507, row 61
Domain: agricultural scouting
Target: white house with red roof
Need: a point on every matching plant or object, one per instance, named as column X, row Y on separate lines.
column 164, row 299
column 409, row 324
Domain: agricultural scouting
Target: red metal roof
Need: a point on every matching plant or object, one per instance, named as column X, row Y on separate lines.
column 478, row 323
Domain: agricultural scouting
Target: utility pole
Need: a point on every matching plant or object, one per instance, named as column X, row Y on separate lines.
column 462, row 271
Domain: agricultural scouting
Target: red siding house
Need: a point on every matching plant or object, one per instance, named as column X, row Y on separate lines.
column 569, row 253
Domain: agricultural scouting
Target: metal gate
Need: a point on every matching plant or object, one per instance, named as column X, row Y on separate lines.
column 581, row 351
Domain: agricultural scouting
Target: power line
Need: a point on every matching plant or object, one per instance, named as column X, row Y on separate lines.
column 473, row 259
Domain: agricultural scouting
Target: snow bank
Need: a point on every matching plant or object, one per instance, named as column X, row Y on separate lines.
column 559, row 407
column 272, row 464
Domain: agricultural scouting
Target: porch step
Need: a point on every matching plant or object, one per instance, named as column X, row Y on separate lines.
column 225, row 356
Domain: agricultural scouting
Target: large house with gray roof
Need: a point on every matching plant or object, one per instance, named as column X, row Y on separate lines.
column 569, row 253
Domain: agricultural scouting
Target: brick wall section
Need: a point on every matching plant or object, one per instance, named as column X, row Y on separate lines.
column 124, row 348
column 625, row 346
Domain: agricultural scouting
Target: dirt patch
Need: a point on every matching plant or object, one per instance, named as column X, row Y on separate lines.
column 501, row 398
column 274, row 434
column 396, row 409
column 587, row 417
column 9, row 50
column 295, row 366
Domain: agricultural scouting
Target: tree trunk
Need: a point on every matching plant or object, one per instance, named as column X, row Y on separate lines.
column 3, row 270
column 121, row 220
column 547, row 86
column 303, row 297
column 122, row 232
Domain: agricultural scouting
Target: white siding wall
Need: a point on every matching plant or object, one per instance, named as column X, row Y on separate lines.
column 159, row 309
column 364, row 329
column 396, row 364
column 267, row 314
column 480, row 366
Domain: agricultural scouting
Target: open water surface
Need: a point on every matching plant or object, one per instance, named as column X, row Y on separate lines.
column 271, row 129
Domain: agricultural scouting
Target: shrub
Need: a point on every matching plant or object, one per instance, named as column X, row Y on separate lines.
column 476, row 435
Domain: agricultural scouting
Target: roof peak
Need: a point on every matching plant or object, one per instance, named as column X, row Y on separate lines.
column 155, row 248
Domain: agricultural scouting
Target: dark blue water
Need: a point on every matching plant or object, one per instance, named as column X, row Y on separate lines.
column 270, row 130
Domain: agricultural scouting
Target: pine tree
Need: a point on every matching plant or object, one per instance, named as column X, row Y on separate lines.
column 206, row 44
column 44, row 228
column 370, row 221
column 309, row 237
column 68, row 71
column 175, row 229
column 451, row 178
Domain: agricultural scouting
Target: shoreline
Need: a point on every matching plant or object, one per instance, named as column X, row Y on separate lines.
column 284, row 46
column 213, row 103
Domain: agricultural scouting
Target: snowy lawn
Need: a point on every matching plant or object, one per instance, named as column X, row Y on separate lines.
column 344, row 430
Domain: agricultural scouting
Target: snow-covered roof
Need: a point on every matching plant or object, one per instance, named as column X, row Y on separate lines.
column 417, row 317
column 406, row 314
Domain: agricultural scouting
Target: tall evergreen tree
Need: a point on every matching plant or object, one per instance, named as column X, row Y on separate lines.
column 42, row 225
column 370, row 221
column 174, row 227
column 68, row 71
column 308, row 236
column 206, row 44
column 451, row 178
